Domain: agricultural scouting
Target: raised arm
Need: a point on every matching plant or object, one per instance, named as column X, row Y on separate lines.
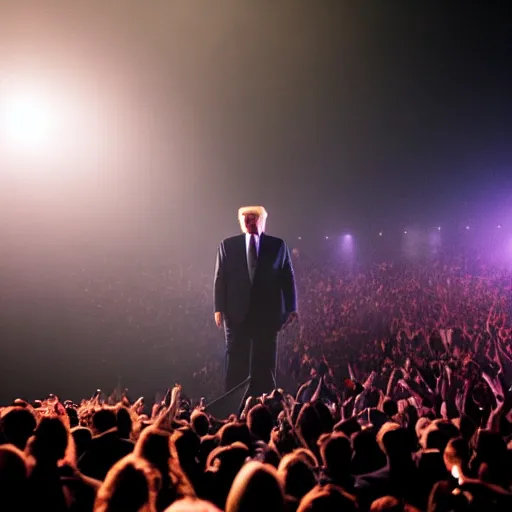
column 167, row 415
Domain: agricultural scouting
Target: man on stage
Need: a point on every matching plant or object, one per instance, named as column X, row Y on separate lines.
column 255, row 297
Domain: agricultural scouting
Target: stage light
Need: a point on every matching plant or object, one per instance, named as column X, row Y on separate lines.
column 380, row 233
column 405, row 232
column 27, row 118
column 467, row 228
column 438, row 228
column 327, row 238
column 300, row 238
column 347, row 245
column 499, row 226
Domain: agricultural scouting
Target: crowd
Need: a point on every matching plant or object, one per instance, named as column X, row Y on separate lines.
column 397, row 397
column 142, row 314
column 409, row 437
column 392, row 311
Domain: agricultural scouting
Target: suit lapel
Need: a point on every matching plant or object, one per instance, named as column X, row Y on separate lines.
column 262, row 248
column 261, row 254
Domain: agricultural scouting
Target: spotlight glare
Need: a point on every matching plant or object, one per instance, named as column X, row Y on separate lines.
column 499, row 226
column 380, row 233
column 347, row 245
column 438, row 228
column 327, row 238
column 300, row 238
column 405, row 232
column 467, row 228
column 28, row 118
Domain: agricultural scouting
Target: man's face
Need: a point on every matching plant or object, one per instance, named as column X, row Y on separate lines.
column 252, row 223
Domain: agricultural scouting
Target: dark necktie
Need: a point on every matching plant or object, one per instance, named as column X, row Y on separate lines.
column 253, row 257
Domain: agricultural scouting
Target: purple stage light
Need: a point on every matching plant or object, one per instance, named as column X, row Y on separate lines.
column 347, row 245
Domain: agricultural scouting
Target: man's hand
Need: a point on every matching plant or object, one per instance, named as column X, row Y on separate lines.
column 292, row 318
column 218, row 319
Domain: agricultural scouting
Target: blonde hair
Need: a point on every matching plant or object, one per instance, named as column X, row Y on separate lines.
column 255, row 210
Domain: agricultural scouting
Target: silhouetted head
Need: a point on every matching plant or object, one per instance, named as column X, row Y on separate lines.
column 456, row 453
column 232, row 432
column 82, row 437
column 154, row 445
column 259, row 421
column 17, row 424
column 103, row 420
column 256, row 487
column 328, row 497
column 297, row 475
column 50, row 441
column 336, row 453
column 389, row 407
column 131, row 484
column 124, row 422
column 200, row 423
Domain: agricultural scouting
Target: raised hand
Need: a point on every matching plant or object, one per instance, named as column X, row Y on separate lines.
column 176, row 394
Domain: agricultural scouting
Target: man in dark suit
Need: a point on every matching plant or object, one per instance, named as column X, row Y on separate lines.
column 255, row 297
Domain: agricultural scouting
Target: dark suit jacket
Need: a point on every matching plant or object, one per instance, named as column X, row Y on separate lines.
column 272, row 295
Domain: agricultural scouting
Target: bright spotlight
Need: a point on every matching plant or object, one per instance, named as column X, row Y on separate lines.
column 438, row 228
column 467, row 228
column 405, row 232
column 380, row 233
column 26, row 119
column 300, row 238
column 499, row 226
column 327, row 238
